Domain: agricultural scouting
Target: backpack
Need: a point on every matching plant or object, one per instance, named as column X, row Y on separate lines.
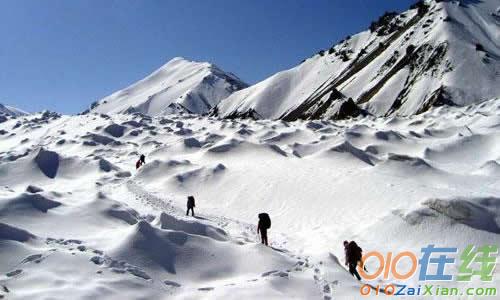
column 191, row 201
column 265, row 220
column 354, row 252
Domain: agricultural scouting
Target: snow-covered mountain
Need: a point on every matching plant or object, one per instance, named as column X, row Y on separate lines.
column 437, row 52
column 11, row 111
column 179, row 85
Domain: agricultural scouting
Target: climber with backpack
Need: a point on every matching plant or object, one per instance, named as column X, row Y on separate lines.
column 190, row 205
column 262, row 227
column 141, row 161
column 353, row 255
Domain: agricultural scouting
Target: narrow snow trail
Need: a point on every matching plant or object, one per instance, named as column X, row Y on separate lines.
column 241, row 232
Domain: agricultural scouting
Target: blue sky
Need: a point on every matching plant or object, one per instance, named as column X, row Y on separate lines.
column 64, row 54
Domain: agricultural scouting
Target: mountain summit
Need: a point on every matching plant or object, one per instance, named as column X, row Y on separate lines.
column 179, row 85
column 435, row 53
column 11, row 111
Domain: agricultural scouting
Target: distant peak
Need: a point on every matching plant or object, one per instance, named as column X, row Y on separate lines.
column 178, row 58
column 9, row 110
column 184, row 61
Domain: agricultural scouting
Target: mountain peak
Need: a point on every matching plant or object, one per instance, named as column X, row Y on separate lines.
column 11, row 111
column 194, row 87
column 435, row 53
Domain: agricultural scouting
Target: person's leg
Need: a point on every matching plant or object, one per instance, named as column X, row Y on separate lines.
column 263, row 236
column 187, row 212
column 192, row 211
column 353, row 271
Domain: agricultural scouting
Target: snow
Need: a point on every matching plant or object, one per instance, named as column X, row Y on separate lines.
column 178, row 86
column 382, row 101
column 281, row 92
column 77, row 218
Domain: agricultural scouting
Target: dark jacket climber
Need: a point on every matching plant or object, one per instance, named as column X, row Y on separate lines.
column 353, row 255
column 143, row 159
column 262, row 227
column 190, row 205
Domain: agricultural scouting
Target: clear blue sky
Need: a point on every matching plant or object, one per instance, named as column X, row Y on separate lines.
column 64, row 54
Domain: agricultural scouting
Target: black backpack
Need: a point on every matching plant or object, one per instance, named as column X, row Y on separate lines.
column 190, row 202
column 265, row 220
column 354, row 252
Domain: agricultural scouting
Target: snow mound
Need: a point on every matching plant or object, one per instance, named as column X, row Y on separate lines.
column 132, row 123
column 96, row 139
column 106, row 166
column 47, row 162
column 408, row 160
column 149, row 246
column 490, row 168
column 192, row 142
column 157, row 169
column 478, row 213
column 115, row 130
column 27, row 202
column 176, row 252
column 201, row 174
column 388, row 135
column 33, row 189
column 12, row 233
column 122, row 212
column 347, row 148
column 191, row 227
column 225, row 146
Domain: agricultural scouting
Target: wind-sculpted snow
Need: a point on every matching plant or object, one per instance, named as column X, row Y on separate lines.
column 81, row 212
column 480, row 213
column 192, row 227
column 25, row 203
column 48, row 162
column 12, row 233
column 115, row 130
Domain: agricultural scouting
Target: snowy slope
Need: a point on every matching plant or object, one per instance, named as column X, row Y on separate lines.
column 77, row 218
column 179, row 85
column 11, row 111
column 438, row 52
